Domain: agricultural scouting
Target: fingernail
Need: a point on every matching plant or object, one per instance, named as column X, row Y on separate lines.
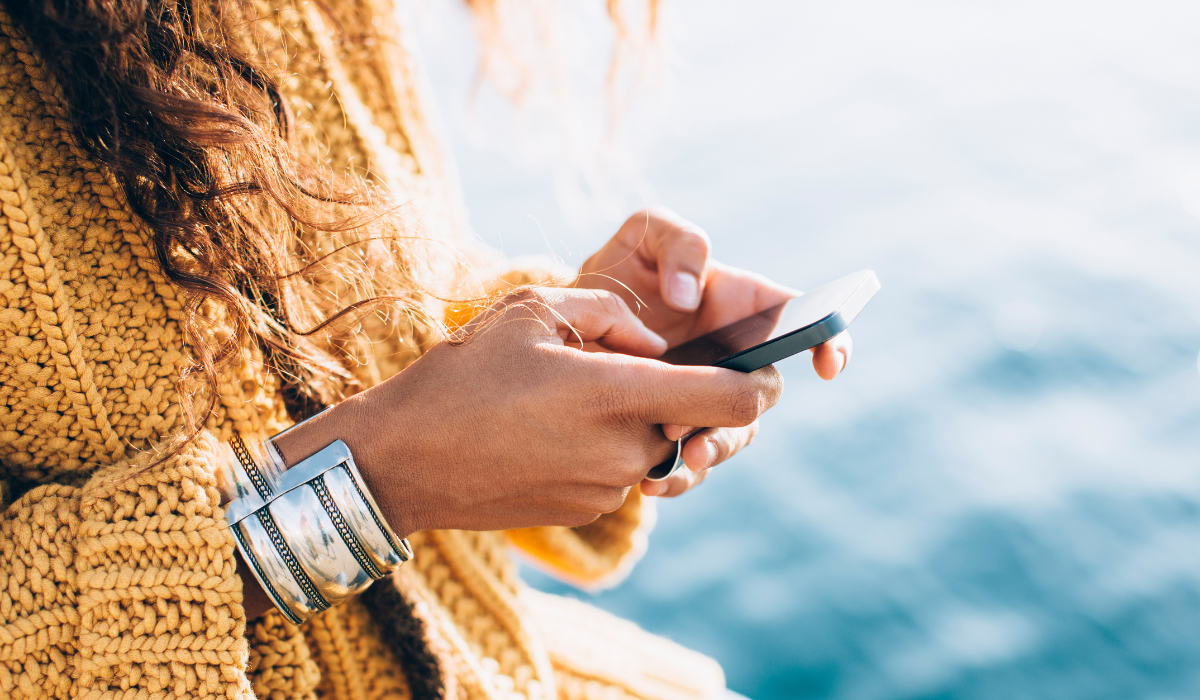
column 711, row 448
column 841, row 361
column 684, row 290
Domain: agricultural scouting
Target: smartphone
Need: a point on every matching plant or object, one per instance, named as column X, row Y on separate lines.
column 798, row 324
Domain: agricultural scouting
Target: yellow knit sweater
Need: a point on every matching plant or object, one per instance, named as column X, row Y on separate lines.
column 115, row 587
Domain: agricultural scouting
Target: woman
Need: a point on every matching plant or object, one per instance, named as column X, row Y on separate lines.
column 221, row 217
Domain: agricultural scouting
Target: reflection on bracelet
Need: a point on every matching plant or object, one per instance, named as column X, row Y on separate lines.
column 312, row 535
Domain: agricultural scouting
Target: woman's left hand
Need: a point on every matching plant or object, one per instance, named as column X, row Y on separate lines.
column 659, row 263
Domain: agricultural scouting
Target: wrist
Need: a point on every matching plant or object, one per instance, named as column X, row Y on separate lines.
column 356, row 423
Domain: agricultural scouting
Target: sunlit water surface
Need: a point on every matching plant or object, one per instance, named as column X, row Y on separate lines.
column 1001, row 497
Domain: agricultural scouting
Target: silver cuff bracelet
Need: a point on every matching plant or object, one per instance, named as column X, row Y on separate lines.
column 312, row 535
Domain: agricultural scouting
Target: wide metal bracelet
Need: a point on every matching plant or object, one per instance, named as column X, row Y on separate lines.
column 314, row 537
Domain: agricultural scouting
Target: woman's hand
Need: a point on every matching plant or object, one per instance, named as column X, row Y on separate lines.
column 659, row 263
column 518, row 427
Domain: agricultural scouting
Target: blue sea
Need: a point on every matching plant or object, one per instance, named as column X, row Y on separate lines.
column 1001, row 496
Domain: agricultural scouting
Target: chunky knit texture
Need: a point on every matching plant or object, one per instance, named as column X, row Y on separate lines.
column 118, row 581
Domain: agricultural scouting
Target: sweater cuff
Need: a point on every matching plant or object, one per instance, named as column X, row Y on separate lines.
column 521, row 272
column 597, row 555
column 160, row 602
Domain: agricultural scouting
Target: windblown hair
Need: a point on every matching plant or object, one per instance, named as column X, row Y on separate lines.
column 168, row 96
column 165, row 96
column 520, row 42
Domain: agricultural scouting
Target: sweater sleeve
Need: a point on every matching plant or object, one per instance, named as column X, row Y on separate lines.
column 595, row 555
column 125, row 586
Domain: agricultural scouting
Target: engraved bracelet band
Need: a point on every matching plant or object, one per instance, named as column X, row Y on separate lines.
column 312, row 535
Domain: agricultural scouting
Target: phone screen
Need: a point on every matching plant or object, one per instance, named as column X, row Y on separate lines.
column 799, row 324
column 729, row 340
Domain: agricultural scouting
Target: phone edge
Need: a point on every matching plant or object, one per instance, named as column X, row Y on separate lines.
column 760, row 355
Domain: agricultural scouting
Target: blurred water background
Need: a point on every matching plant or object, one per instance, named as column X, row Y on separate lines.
column 1001, row 497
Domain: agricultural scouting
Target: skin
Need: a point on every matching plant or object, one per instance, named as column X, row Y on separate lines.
column 661, row 263
column 560, row 411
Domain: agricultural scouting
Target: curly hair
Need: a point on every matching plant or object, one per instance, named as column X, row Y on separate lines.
column 199, row 138
column 167, row 97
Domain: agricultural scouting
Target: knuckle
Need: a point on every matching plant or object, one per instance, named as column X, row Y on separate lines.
column 654, row 216
column 637, row 226
column 634, row 464
column 771, row 384
column 611, row 302
column 632, row 474
column 603, row 499
column 619, row 467
column 683, row 230
column 659, row 214
column 777, row 381
column 744, row 403
column 530, row 303
column 640, row 217
column 608, row 401
column 631, row 463
column 697, row 238
column 614, row 499
column 525, row 295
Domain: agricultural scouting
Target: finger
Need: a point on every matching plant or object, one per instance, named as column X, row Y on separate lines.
column 677, row 484
column 687, row 395
column 673, row 432
column 676, row 248
column 731, row 294
column 752, row 291
column 681, row 252
column 653, row 488
column 712, row 446
column 595, row 315
column 830, row 358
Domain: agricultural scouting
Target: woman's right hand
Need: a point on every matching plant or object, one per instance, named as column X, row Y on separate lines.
column 518, row 427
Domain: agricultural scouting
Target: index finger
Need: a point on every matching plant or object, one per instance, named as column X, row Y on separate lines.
column 677, row 250
column 681, row 251
column 658, row 393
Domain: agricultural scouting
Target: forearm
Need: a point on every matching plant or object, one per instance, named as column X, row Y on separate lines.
column 374, row 431
column 254, row 599
column 346, row 422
